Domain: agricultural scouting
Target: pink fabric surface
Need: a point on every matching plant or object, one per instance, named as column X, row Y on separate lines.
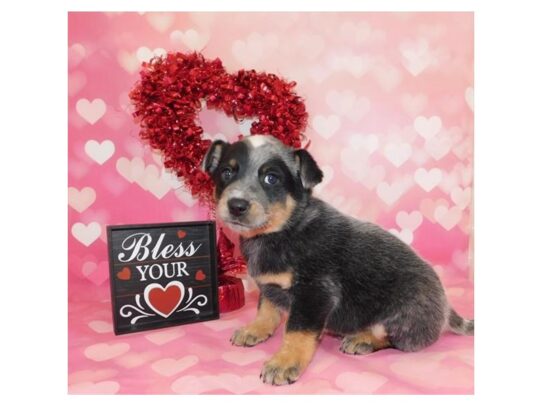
column 198, row 359
column 390, row 103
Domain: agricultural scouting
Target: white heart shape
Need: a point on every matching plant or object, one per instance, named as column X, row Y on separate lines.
column 80, row 200
column 104, row 351
column 100, row 152
column 105, row 387
column 100, row 327
column 151, row 180
column 428, row 180
column 145, row 54
column 397, row 153
column 169, row 367
column 132, row 169
column 86, row 234
column 438, row 147
column 416, row 56
column 128, row 61
column 160, row 21
column 193, row 39
column 427, row 127
column 165, row 336
column 390, row 193
column 461, row 197
column 448, row 217
column 91, row 111
column 241, row 358
column 409, row 221
column 405, row 235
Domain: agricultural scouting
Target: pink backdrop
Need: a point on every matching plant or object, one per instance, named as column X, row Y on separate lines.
column 390, row 100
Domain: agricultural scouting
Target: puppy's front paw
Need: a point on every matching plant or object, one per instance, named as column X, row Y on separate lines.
column 249, row 336
column 278, row 372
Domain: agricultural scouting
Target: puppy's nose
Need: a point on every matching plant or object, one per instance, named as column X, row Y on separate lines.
column 238, row 206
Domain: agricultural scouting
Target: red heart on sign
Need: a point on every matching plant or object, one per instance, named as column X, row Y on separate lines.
column 181, row 234
column 200, row 275
column 162, row 300
column 124, row 274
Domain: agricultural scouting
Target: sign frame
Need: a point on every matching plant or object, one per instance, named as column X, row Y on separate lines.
column 118, row 325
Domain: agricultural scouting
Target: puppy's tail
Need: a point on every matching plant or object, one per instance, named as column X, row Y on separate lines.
column 460, row 325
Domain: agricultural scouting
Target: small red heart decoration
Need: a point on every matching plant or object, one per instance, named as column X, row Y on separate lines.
column 200, row 275
column 124, row 274
column 181, row 234
column 164, row 301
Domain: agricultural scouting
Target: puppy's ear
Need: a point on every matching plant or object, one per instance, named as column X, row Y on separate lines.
column 309, row 171
column 212, row 157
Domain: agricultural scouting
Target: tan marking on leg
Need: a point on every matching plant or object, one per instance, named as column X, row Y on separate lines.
column 367, row 341
column 266, row 322
column 290, row 361
column 284, row 279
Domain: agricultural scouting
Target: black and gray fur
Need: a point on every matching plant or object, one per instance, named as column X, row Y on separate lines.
column 348, row 275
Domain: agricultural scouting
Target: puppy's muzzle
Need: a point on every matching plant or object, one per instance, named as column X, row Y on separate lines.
column 238, row 207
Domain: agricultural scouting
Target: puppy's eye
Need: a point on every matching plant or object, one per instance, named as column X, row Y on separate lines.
column 227, row 174
column 271, row 179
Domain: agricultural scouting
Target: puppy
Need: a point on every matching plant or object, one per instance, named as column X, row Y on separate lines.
column 327, row 271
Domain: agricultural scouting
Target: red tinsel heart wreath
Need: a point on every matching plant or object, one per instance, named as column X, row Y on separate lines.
column 169, row 96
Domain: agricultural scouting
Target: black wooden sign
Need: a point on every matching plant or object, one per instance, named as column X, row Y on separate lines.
column 162, row 275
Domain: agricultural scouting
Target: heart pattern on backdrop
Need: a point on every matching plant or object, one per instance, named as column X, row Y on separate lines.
column 100, row 152
column 80, row 200
column 91, row 111
column 390, row 103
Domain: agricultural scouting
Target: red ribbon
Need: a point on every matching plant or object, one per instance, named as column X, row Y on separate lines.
column 231, row 293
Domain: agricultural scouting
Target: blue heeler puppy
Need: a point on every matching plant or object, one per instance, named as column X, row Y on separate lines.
column 325, row 270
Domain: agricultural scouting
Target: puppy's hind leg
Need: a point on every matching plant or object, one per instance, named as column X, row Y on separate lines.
column 267, row 320
column 367, row 341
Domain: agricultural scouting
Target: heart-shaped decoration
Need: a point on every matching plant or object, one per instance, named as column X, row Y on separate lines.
column 125, row 274
column 427, row 127
column 200, row 275
column 181, row 234
column 164, row 301
column 81, row 199
column 100, row 152
column 91, row 111
column 86, row 234
column 172, row 90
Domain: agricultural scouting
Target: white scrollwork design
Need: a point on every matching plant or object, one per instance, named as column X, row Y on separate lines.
column 126, row 312
column 200, row 301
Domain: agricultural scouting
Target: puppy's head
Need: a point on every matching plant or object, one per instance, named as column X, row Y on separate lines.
column 259, row 182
